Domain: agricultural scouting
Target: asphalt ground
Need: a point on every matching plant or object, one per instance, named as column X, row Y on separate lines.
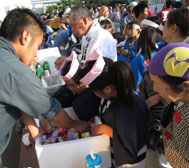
column 11, row 155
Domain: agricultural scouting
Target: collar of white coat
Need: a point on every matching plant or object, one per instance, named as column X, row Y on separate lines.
column 92, row 29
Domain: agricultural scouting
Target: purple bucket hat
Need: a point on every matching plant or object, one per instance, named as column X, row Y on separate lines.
column 171, row 60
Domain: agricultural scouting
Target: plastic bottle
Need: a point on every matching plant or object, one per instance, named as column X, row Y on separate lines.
column 46, row 68
column 37, row 65
column 47, row 73
column 39, row 71
column 94, row 161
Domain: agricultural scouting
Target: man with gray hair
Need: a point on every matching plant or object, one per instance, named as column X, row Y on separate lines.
column 104, row 12
column 93, row 36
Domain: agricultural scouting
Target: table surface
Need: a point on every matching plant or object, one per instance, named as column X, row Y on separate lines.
column 28, row 157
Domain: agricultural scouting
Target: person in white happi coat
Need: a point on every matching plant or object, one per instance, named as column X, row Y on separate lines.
column 93, row 36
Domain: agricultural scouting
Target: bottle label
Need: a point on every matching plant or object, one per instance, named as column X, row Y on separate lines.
column 47, row 73
column 46, row 66
column 94, row 161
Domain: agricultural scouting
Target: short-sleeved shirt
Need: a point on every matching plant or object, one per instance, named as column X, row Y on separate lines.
column 86, row 105
column 20, row 91
column 130, row 129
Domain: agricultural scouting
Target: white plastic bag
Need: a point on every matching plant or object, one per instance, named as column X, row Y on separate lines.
column 52, row 83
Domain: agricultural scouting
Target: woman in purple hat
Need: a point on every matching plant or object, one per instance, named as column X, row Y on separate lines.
column 169, row 70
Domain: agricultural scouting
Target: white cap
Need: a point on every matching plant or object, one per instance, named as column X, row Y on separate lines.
column 150, row 23
column 133, row 3
column 66, row 12
column 121, row 44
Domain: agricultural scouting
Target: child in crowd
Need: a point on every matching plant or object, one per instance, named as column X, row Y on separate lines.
column 120, row 38
column 147, row 47
column 48, row 38
column 75, row 94
column 131, row 45
column 107, row 25
column 155, row 22
column 124, row 115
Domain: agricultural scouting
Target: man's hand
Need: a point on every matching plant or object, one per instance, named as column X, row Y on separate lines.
column 35, row 134
column 32, row 127
column 81, row 126
column 61, row 48
column 102, row 129
column 153, row 100
column 45, row 124
column 59, row 61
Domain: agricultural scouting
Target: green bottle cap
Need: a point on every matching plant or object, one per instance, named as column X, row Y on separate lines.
column 37, row 66
column 46, row 66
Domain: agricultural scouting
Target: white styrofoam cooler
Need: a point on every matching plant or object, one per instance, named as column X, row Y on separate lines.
column 72, row 154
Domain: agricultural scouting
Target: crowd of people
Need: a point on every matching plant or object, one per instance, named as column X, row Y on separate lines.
column 129, row 67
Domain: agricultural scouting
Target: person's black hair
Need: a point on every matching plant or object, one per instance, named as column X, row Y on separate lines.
column 139, row 9
column 106, row 24
column 66, row 69
column 119, row 37
column 119, row 74
column 79, row 11
column 49, row 16
column 160, row 32
column 174, row 82
column 144, row 2
column 60, row 14
column 169, row 3
column 133, row 10
column 176, row 4
column 147, row 42
column 130, row 24
column 19, row 19
column 180, row 17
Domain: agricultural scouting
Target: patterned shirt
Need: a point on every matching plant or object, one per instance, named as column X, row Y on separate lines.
column 175, row 131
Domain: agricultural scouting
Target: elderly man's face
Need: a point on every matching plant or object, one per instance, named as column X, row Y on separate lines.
column 79, row 26
column 104, row 11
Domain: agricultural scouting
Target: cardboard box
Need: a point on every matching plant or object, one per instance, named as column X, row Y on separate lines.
column 72, row 154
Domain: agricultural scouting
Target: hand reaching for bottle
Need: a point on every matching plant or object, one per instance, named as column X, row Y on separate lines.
column 59, row 61
column 80, row 126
